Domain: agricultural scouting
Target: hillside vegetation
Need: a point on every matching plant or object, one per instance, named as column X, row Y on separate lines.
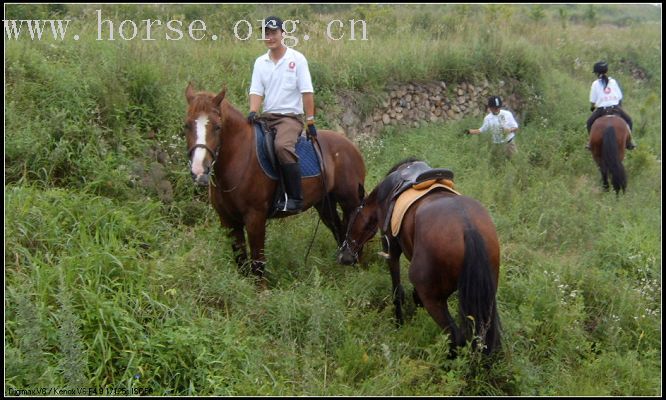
column 118, row 274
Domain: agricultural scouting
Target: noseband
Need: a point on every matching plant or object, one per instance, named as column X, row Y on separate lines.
column 212, row 153
column 203, row 146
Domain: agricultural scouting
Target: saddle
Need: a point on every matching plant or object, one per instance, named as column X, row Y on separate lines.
column 309, row 159
column 265, row 148
column 613, row 111
column 418, row 177
column 610, row 110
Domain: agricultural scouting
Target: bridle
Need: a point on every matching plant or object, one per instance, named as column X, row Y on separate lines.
column 203, row 146
column 214, row 155
column 352, row 245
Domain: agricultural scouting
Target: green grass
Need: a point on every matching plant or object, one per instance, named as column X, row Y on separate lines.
column 118, row 274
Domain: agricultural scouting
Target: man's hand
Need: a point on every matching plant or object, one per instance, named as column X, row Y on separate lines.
column 312, row 131
column 252, row 117
column 466, row 131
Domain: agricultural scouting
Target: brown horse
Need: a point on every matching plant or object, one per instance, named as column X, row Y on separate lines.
column 221, row 141
column 452, row 244
column 608, row 138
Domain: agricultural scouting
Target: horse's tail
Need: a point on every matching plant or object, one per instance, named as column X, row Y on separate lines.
column 476, row 291
column 611, row 160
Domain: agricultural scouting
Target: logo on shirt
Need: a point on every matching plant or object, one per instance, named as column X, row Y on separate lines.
column 607, row 90
column 292, row 65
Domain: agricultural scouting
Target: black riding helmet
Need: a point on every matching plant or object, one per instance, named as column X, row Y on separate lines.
column 494, row 101
column 601, row 67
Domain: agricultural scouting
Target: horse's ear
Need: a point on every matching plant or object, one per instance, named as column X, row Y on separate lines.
column 218, row 99
column 189, row 92
column 361, row 192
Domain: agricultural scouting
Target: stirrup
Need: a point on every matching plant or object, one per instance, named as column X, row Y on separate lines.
column 284, row 205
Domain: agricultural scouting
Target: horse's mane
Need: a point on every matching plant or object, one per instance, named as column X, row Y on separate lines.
column 408, row 160
column 385, row 187
column 230, row 111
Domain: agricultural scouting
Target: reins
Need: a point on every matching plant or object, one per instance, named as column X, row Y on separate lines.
column 326, row 197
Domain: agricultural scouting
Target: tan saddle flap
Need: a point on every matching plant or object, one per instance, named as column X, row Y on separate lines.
column 409, row 197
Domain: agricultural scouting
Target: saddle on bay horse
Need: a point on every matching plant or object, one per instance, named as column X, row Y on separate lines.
column 414, row 182
column 309, row 159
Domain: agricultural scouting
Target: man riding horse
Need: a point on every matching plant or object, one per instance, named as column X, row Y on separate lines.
column 281, row 79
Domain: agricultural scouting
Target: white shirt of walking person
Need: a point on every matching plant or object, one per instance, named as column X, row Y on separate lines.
column 500, row 123
column 502, row 126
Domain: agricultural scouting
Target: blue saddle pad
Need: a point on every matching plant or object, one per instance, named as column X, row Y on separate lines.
column 304, row 149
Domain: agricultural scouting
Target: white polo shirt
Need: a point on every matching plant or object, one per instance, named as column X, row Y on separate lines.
column 496, row 124
column 282, row 84
column 605, row 97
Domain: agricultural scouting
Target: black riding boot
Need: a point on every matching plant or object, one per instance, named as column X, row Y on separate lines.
column 292, row 185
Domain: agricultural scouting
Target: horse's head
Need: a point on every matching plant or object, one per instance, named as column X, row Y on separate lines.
column 363, row 224
column 202, row 132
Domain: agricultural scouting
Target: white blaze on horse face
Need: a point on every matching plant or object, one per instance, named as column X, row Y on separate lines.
column 200, row 152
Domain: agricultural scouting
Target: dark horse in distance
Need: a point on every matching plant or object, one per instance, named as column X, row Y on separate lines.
column 452, row 245
column 608, row 138
column 221, row 143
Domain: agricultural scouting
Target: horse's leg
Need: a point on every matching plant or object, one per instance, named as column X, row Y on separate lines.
column 602, row 170
column 604, row 179
column 438, row 309
column 239, row 249
column 255, row 224
column 435, row 299
column 417, row 299
column 328, row 213
column 235, row 232
column 398, row 291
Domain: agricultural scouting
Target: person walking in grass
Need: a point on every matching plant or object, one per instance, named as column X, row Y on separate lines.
column 501, row 124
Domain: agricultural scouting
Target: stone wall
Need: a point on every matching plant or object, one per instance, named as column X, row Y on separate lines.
column 410, row 105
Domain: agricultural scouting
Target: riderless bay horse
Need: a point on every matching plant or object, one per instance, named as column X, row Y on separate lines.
column 608, row 138
column 221, row 143
column 452, row 245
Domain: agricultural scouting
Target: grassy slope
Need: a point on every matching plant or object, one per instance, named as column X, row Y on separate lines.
column 108, row 286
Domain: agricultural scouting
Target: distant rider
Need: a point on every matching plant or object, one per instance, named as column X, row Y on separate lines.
column 606, row 98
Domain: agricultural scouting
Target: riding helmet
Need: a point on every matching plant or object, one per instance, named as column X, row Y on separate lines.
column 601, row 67
column 494, row 101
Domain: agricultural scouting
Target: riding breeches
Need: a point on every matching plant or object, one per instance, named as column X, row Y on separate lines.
column 598, row 112
column 288, row 128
